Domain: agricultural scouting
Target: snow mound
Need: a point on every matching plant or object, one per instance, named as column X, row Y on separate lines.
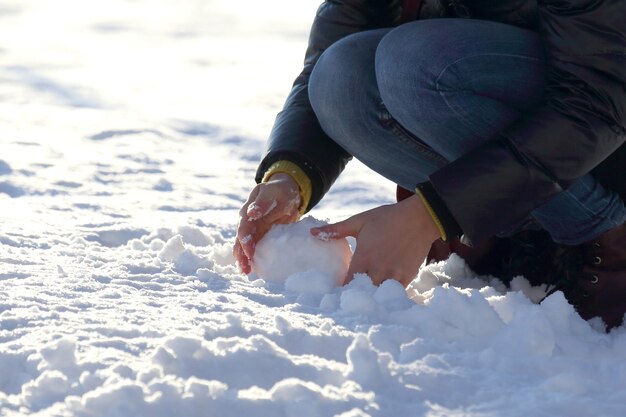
column 290, row 249
column 119, row 293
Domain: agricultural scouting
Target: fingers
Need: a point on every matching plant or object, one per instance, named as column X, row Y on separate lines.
column 241, row 258
column 368, row 262
column 245, row 236
column 260, row 208
column 244, row 231
column 249, row 234
column 348, row 227
column 272, row 204
column 251, row 198
column 358, row 264
column 406, row 280
column 260, row 214
column 259, row 204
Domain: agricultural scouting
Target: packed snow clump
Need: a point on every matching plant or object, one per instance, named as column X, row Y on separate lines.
column 290, row 249
column 119, row 292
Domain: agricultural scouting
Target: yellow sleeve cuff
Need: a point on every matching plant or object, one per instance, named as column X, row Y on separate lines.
column 299, row 176
column 432, row 213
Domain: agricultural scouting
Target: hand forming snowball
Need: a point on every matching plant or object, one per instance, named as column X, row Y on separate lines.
column 288, row 249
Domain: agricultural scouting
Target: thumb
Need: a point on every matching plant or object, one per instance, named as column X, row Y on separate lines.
column 261, row 206
column 348, row 227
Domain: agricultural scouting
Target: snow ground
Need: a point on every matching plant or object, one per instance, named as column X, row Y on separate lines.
column 129, row 134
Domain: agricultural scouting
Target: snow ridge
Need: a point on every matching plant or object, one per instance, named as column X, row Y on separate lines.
column 129, row 137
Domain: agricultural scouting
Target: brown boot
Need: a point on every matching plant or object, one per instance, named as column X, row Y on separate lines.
column 593, row 276
column 528, row 253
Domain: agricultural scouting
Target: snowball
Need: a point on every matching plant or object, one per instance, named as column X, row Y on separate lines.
column 290, row 248
column 310, row 282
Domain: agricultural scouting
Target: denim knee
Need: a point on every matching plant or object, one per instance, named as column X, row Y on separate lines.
column 406, row 68
column 342, row 86
column 330, row 75
column 454, row 83
column 414, row 57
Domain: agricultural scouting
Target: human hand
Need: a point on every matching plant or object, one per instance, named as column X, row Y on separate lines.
column 392, row 241
column 273, row 202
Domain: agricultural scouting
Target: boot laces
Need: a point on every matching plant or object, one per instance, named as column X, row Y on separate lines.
column 568, row 272
column 530, row 255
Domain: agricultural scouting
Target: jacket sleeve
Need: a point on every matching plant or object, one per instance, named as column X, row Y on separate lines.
column 297, row 135
column 581, row 121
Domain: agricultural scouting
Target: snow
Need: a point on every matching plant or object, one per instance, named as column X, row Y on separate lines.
column 129, row 136
column 289, row 253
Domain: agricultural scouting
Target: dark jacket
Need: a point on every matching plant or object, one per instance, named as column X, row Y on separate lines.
column 580, row 123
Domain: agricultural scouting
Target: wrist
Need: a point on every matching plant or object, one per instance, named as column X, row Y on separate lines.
column 282, row 177
column 300, row 178
column 441, row 215
column 423, row 220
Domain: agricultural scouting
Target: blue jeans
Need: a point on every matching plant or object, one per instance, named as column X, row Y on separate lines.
column 406, row 101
